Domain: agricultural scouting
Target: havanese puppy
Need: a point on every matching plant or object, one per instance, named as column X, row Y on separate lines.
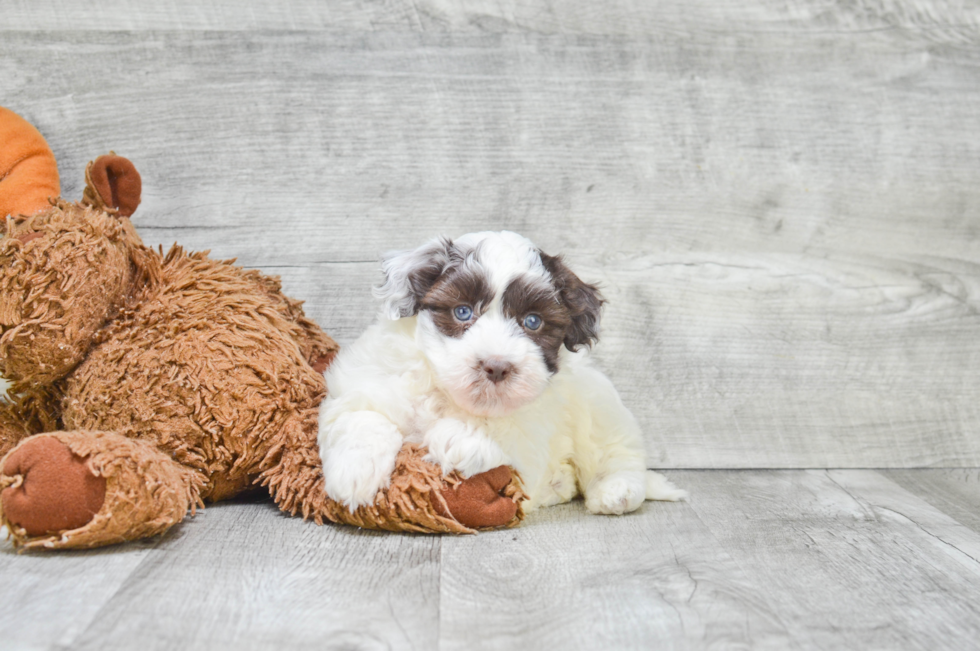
column 480, row 354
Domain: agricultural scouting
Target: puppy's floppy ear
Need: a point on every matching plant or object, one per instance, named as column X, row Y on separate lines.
column 409, row 275
column 582, row 300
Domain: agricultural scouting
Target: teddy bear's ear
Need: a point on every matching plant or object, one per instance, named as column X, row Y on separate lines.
column 113, row 184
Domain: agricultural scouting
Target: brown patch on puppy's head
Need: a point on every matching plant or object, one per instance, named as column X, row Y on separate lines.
column 409, row 275
column 582, row 301
column 525, row 296
column 460, row 286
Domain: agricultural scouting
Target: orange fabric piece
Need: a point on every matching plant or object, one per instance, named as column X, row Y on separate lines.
column 28, row 171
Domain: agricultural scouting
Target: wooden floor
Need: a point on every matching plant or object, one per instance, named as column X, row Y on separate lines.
column 778, row 197
column 774, row 559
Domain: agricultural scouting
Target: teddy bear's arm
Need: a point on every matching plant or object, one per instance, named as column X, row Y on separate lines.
column 421, row 499
column 418, row 499
column 488, row 500
column 317, row 347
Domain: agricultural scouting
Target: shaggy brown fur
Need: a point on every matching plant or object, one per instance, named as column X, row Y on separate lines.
column 178, row 379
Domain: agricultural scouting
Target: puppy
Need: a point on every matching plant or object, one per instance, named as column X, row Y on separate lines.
column 480, row 355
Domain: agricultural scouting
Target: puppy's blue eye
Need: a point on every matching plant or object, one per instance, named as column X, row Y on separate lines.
column 532, row 322
column 463, row 312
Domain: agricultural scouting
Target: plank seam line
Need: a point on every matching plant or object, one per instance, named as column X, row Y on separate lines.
column 875, row 508
column 747, row 575
column 929, row 533
column 98, row 616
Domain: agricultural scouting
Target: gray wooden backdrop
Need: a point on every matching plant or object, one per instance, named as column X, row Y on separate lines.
column 780, row 198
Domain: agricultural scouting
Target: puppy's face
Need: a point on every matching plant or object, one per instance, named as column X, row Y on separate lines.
column 493, row 313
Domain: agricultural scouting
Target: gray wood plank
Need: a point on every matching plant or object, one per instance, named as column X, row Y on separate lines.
column 849, row 559
column 955, row 492
column 949, row 20
column 367, row 142
column 567, row 579
column 113, row 15
column 244, row 576
column 51, row 597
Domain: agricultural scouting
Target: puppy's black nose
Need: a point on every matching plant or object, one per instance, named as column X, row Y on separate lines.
column 497, row 369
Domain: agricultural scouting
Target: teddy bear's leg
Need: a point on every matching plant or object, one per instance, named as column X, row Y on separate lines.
column 12, row 428
column 28, row 412
column 87, row 489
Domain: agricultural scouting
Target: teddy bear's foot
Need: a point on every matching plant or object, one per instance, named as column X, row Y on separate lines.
column 49, row 488
column 87, row 489
column 482, row 501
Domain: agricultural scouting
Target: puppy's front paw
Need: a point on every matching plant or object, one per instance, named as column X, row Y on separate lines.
column 615, row 494
column 454, row 445
column 358, row 451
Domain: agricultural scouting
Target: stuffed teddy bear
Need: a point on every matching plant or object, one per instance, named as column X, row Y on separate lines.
column 144, row 384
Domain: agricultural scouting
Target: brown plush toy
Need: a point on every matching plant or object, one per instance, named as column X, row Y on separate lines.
column 144, row 384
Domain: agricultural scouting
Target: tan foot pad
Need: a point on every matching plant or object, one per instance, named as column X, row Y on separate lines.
column 49, row 488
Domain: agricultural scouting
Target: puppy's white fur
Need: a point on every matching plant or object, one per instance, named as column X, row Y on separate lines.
column 566, row 432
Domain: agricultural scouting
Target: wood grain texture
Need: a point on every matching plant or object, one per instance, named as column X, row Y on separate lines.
column 667, row 143
column 848, row 559
column 244, row 576
column 779, row 197
column 948, row 20
column 780, row 559
column 566, row 579
column 51, row 598
column 893, row 503
column 955, row 492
